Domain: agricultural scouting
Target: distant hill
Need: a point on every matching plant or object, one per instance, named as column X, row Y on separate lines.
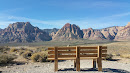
column 23, row 32
column 51, row 32
column 123, row 33
column 111, row 33
column 0, row 29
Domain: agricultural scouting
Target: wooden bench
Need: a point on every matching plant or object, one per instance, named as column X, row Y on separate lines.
column 78, row 53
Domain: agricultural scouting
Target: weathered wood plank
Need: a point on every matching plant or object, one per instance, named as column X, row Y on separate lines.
column 60, row 52
column 77, row 58
column 51, row 48
column 104, row 51
column 88, row 47
column 104, row 47
column 66, row 48
column 89, row 51
column 56, row 59
column 63, row 56
column 51, row 52
column 89, row 55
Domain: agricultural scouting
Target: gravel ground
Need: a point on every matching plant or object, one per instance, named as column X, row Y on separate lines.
column 67, row 67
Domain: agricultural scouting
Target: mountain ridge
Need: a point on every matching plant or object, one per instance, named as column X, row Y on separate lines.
column 25, row 32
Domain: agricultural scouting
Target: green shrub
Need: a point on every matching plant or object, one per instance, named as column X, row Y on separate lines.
column 6, row 58
column 39, row 57
column 27, row 54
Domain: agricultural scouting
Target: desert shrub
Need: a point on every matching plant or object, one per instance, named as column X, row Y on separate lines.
column 27, row 54
column 13, row 50
column 39, row 57
column 6, row 58
column 3, row 49
column 125, row 55
column 109, row 57
column 21, row 52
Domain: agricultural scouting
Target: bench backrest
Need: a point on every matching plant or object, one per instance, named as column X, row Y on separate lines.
column 70, row 53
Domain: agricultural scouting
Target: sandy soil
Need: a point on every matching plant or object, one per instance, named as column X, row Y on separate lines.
column 67, row 67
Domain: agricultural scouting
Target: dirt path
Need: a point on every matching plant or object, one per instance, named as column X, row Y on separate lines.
column 67, row 67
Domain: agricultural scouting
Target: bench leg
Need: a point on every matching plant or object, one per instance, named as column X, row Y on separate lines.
column 56, row 65
column 99, row 62
column 74, row 63
column 94, row 63
column 78, row 64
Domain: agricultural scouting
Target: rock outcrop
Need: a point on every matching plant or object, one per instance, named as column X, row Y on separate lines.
column 124, row 33
column 23, row 32
column 68, row 32
column 51, row 32
column 92, row 34
column 111, row 33
column 0, row 29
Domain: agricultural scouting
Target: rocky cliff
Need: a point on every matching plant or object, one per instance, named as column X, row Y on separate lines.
column 68, row 32
column 123, row 33
column 23, row 32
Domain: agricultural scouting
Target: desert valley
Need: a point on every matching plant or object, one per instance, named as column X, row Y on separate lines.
column 24, row 47
column 64, row 36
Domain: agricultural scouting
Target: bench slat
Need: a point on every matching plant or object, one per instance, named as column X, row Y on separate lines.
column 104, row 55
column 60, row 52
column 66, row 48
column 104, row 51
column 51, row 52
column 104, row 47
column 89, row 51
column 51, row 48
column 51, row 56
column 89, row 55
column 88, row 47
column 62, row 56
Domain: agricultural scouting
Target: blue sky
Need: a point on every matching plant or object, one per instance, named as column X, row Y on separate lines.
column 55, row 13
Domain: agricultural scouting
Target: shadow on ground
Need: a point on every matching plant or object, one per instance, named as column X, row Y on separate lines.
column 113, row 59
column 91, row 69
column 13, row 63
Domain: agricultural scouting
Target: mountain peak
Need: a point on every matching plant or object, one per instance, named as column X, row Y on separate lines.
column 20, row 25
column 23, row 32
column 67, row 25
column 128, row 24
column 68, row 32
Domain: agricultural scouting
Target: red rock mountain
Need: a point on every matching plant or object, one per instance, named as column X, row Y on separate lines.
column 23, row 32
column 112, row 33
column 123, row 33
column 68, row 32
column 92, row 34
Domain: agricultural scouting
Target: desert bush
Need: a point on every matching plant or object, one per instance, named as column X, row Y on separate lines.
column 13, row 50
column 125, row 55
column 39, row 57
column 3, row 49
column 27, row 54
column 6, row 58
column 21, row 52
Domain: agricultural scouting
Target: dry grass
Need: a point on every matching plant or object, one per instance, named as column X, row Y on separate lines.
column 125, row 56
column 6, row 58
column 39, row 56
